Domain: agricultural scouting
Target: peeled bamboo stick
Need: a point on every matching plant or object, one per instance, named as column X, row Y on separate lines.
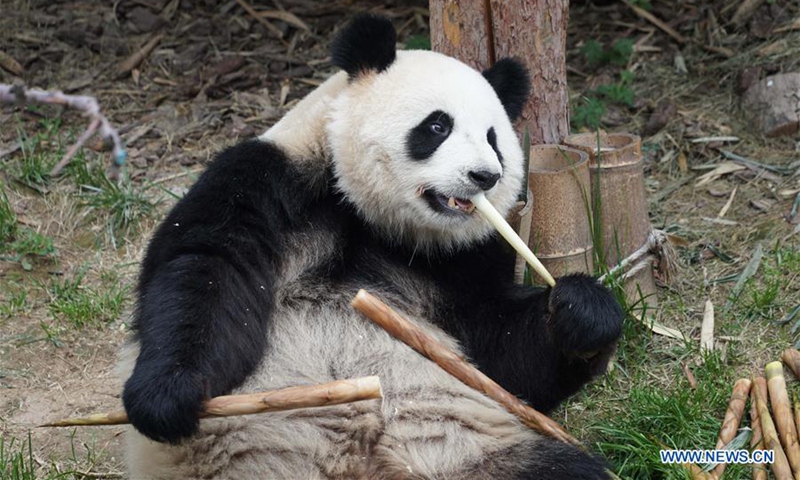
column 757, row 442
column 780, row 465
column 796, row 412
column 322, row 395
column 791, row 358
column 782, row 410
column 455, row 365
column 498, row 222
column 733, row 417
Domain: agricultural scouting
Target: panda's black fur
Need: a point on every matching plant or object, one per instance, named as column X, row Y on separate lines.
column 207, row 300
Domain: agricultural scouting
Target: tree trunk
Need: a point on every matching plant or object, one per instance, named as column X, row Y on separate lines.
column 478, row 32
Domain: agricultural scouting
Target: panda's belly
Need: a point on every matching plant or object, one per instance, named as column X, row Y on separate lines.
column 428, row 423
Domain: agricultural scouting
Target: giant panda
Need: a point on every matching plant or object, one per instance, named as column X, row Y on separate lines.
column 246, row 287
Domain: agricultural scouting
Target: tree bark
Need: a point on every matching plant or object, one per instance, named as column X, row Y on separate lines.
column 478, row 32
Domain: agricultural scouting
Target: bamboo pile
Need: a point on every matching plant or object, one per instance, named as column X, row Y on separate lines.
column 774, row 420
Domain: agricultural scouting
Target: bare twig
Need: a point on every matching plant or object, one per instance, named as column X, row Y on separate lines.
column 88, row 105
column 322, row 395
column 134, row 60
column 656, row 244
column 656, row 21
column 260, row 19
column 416, row 338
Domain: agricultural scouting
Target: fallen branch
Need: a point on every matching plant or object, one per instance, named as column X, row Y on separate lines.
column 657, row 244
column 88, row 105
column 138, row 56
column 455, row 365
column 322, row 395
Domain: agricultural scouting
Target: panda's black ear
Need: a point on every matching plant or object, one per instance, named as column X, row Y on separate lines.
column 366, row 44
column 511, row 81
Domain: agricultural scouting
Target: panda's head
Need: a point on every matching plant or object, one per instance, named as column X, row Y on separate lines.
column 416, row 134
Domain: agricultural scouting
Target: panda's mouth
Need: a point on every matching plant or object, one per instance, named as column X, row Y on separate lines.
column 448, row 205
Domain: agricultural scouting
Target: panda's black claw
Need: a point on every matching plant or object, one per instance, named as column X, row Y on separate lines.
column 585, row 318
column 165, row 409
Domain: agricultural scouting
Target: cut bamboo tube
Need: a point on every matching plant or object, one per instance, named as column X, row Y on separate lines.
column 322, row 395
column 782, row 412
column 780, row 465
column 455, row 365
column 796, row 413
column 791, row 358
column 757, row 442
column 733, row 417
column 498, row 222
column 697, row 473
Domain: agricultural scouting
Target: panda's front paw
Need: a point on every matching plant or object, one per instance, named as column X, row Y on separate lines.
column 585, row 318
column 164, row 407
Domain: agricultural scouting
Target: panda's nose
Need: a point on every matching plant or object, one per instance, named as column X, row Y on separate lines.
column 484, row 179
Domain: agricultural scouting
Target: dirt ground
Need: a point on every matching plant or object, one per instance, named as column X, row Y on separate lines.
column 217, row 75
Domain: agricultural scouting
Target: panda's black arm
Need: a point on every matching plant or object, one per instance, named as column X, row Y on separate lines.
column 540, row 344
column 207, row 286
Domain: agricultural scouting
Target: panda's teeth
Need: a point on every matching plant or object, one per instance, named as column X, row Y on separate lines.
column 470, row 209
column 451, row 202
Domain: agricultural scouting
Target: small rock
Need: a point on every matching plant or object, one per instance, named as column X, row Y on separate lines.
column 664, row 112
column 773, row 104
column 144, row 20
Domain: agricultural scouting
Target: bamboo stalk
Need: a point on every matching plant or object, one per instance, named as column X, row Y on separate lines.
column 455, row 365
column 791, row 358
column 796, row 412
column 498, row 222
column 780, row 465
column 757, row 442
column 733, row 417
column 782, row 410
column 322, row 395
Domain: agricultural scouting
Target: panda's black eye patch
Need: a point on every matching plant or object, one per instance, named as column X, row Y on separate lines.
column 426, row 137
column 491, row 137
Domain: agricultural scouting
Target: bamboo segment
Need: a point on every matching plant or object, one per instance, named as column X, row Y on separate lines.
column 780, row 465
column 322, row 395
column 782, row 410
column 791, row 358
column 797, row 413
column 455, row 365
column 733, row 417
column 498, row 222
column 757, row 442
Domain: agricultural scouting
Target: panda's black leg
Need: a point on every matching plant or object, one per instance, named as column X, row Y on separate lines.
column 543, row 345
column 554, row 460
column 201, row 331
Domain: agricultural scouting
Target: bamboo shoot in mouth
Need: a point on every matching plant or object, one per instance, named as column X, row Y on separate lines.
column 499, row 223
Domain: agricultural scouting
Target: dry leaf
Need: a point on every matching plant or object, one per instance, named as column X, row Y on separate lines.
column 723, row 168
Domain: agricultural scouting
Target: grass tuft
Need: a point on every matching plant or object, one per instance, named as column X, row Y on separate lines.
column 124, row 203
column 81, row 305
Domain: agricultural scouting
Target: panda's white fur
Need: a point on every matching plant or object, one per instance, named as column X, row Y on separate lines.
column 429, row 425
column 387, row 192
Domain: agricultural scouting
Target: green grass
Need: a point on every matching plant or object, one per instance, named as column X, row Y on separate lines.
column 124, row 203
column 8, row 219
column 649, row 418
column 82, row 306
column 15, row 302
column 40, row 152
column 16, row 459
